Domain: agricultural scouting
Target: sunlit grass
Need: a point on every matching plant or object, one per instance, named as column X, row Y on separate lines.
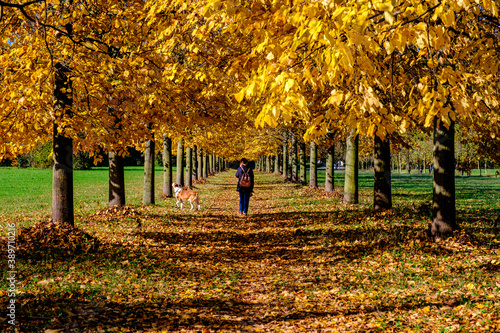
column 27, row 193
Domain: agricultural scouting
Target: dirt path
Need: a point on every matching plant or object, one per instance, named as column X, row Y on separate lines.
column 271, row 195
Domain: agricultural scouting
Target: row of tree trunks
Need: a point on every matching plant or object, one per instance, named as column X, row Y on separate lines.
column 293, row 162
column 444, row 211
column 196, row 166
column 195, row 169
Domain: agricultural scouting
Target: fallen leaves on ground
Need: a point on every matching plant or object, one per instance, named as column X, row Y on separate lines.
column 300, row 262
column 47, row 239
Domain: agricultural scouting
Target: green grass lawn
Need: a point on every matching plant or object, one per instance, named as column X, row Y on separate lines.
column 26, row 193
column 475, row 191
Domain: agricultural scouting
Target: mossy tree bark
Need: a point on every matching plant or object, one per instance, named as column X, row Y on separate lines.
column 382, row 197
column 443, row 207
column 351, row 188
column 62, row 172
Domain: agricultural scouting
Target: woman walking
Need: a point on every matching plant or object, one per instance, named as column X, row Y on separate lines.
column 245, row 185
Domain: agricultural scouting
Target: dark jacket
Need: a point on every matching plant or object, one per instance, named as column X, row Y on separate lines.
column 239, row 174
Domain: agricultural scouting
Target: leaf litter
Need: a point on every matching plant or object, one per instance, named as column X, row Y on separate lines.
column 301, row 261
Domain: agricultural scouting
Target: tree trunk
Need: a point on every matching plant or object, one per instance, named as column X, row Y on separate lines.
column 148, row 197
column 294, row 160
column 116, row 180
column 277, row 164
column 408, row 166
column 351, row 193
column 285, row 156
column 180, row 163
column 211, row 164
column 167, row 167
column 189, row 168
column 399, row 161
column 330, row 169
column 313, row 167
column 443, row 207
column 205, row 165
column 382, row 167
column 200, row 163
column 303, row 162
column 62, row 172
column 195, row 163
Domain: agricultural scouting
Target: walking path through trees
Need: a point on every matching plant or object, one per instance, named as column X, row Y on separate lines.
column 301, row 261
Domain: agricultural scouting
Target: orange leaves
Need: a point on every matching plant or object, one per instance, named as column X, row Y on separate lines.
column 280, row 63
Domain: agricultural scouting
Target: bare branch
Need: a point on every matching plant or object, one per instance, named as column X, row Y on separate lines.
column 20, row 6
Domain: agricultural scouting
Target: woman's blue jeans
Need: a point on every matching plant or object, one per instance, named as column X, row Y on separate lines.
column 244, row 200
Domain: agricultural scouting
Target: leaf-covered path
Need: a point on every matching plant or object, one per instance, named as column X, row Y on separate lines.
column 301, row 261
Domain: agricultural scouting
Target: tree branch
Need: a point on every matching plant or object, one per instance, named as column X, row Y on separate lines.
column 20, row 6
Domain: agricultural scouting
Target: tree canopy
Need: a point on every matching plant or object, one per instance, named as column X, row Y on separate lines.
column 379, row 67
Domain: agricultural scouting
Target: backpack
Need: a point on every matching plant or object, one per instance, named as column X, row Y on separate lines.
column 245, row 180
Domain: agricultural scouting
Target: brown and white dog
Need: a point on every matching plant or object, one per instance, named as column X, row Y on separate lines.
column 185, row 195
